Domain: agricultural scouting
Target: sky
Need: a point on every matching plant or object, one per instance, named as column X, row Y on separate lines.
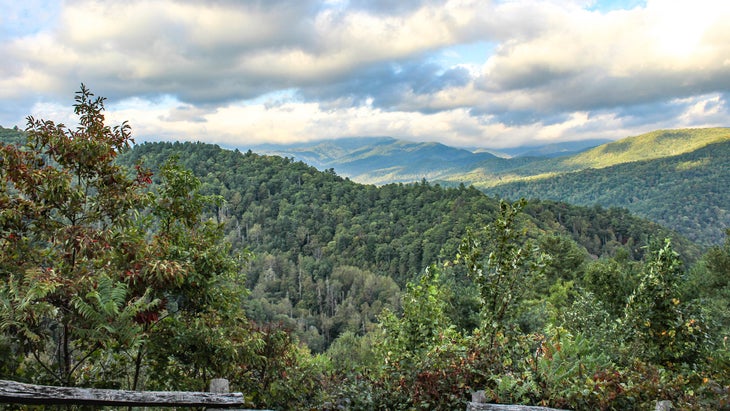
column 466, row 73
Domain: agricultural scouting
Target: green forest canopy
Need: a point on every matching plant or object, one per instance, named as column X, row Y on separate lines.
column 140, row 279
column 686, row 192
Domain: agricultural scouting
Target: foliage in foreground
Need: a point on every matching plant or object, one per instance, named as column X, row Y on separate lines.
column 657, row 347
column 109, row 280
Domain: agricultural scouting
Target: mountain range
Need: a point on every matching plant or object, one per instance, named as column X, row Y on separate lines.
column 384, row 160
column 675, row 177
column 381, row 160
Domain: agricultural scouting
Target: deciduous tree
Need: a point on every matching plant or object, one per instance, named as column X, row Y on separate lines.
column 94, row 262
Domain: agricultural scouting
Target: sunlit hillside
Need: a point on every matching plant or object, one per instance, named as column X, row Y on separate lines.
column 657, row 144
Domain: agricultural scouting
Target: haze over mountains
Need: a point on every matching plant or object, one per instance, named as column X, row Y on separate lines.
column 383, row 160
column 547, row 150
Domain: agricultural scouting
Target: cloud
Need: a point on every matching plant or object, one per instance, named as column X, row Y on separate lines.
column 591, row 60
column 145, row 48
column 391, row 86
column 553, row 69
column 702, row 111
column 186, row 113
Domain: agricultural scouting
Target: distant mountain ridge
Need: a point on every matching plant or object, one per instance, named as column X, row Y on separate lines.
column 548, row 150
column 380, row 160
column 654, row 145
column 383, row 160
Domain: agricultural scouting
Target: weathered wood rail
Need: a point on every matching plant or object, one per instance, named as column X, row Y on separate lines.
column 479, row 403
column 474, row 406
column 19, row 393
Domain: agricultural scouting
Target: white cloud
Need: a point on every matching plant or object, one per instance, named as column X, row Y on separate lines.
column 555, row 69
column 704, row 111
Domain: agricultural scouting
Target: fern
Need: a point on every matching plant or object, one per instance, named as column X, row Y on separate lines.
column 109, row 318
column 22, row 305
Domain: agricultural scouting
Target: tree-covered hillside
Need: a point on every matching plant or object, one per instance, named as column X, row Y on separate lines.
column 688, row 192
column 654, row 145
column 309, row 291
column 275, row 204
column 11, row 135
column 682, row 189
column 306, row 226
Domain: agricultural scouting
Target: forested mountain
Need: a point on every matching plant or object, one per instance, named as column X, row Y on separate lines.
column 308, row 229
column 300, row 208
column 383, row 160
column 688, row 192
column 682, row 188
column 410, row 295
column 11, row 135
column 380, row 160
column 653, row 145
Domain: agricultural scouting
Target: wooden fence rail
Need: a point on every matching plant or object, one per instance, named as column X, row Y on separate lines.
column 474, row 406
column 479, row 403
column 19, row 393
